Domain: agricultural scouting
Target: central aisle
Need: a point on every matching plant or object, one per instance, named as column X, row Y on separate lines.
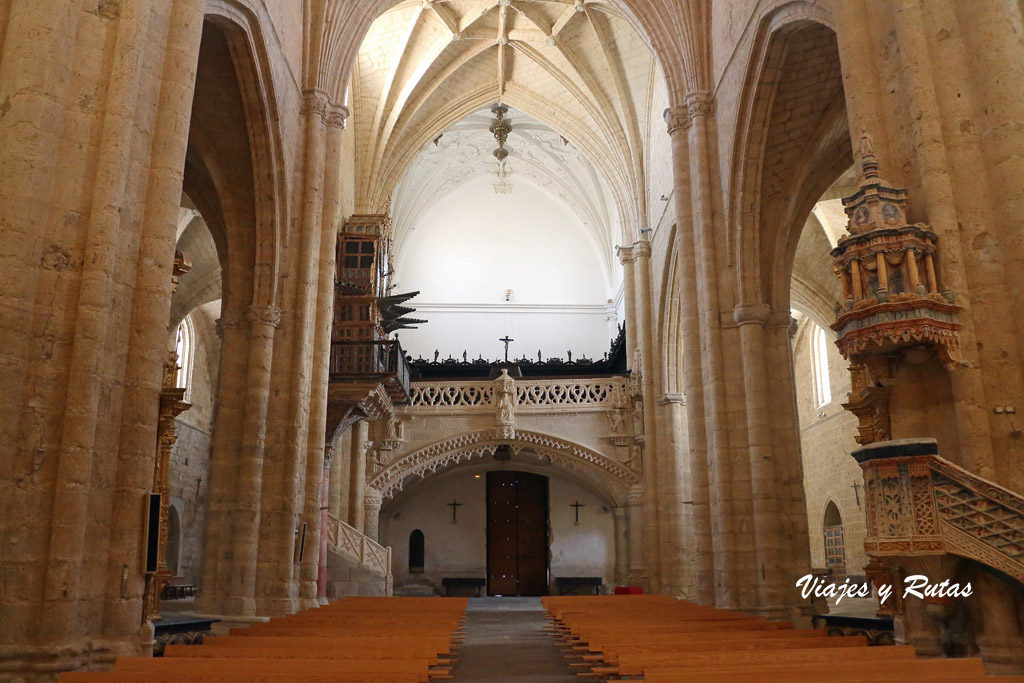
column 505, row 641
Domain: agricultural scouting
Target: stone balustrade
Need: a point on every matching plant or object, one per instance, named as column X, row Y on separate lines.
column 530, row 395
column 359, row 548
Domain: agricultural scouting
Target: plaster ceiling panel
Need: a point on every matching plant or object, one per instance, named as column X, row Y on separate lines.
column 540, row 157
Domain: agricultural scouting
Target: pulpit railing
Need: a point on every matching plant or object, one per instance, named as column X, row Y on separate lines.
column 370, row 360
column 357, row 547
column 918, row 504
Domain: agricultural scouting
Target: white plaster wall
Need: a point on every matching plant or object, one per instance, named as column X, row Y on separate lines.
column 474, row 244
column 460, row 549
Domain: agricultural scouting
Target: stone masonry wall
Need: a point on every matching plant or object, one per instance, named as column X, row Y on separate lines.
column 826, row 440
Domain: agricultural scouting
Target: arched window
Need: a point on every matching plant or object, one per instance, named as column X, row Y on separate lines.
column 416, row 552
column 835, row 546
column 819, row 360
column 185, row 346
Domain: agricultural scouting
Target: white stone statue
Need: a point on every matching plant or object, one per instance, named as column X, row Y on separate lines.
column 505, row 395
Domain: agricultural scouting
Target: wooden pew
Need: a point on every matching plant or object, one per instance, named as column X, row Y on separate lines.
column 668, row 641
column 263, row 665
column 357, row 640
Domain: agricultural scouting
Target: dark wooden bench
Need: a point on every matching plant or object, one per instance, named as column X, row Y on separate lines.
column 448, row 583
column 878, row 630
column 567, row 585
column 178, row 591
column 177, row 630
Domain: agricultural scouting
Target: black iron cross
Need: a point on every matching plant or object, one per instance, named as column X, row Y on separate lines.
column 508, row 340
column 856, row 491
column 577, row 505
column 454, row 505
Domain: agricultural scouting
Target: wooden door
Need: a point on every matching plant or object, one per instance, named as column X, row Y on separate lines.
column 517, row 533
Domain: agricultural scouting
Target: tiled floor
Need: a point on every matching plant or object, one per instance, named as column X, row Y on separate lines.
column 505, row 642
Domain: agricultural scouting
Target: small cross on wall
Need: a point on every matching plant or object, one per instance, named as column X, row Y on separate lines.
column 454, row 505
column 577, row 505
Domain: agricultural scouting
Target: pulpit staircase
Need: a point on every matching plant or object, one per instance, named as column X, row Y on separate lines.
column 919, row 504
column 925, row 516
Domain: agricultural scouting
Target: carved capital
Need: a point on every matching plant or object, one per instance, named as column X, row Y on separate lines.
column 372, row 499
column 264, row 315
column 336, row 116
column 641, row 249
column 746, row 314
column 314, row 101
column 700, row 103
column 626, row 255
column 636, row 495
column 677, row 118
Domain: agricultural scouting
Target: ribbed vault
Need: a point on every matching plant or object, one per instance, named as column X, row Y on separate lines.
column 578, row 68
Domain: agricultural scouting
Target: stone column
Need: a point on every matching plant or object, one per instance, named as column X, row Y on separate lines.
column 678, row 121
column 228, row 415
column 700, row 109
column 675, row 501
column 150, row 308
column 357, row 476
column 635, row 523
column 635, row 264
column 316, row 501
column 340, row 471
column 665, row 548
column 767, row 512
column 620, row 515
column 372, row 500
column 321, row 565
column 1001, row 643
column 80, row 404
column 245, row 515
column 937, row 177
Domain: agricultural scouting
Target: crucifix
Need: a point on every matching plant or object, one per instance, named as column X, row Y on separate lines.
column 856, row 492
column 577, row 505
column 454, row 505
column 508, row 340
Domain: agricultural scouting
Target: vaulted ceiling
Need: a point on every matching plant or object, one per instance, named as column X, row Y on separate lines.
column 539, row 156
column 575, row 66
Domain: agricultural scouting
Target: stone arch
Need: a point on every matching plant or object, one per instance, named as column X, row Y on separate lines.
column 831, row 515
column 245, row 215
column 612, row 477
column 174, row 537
column 770, row 217
column 671, row 323
column 417, row 552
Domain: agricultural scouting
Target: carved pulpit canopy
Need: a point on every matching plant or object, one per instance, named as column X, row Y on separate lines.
column 891, row 290
column 892, row 297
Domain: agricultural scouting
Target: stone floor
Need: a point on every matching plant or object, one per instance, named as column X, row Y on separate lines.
column 505, row 642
